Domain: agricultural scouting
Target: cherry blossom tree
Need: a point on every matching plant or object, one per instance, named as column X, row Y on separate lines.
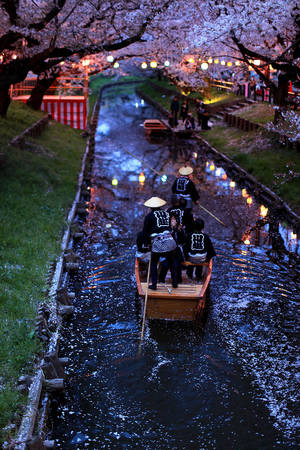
column 37, row 35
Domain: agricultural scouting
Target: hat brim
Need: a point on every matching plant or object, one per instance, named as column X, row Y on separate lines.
column 185, row 170
column 155, row 202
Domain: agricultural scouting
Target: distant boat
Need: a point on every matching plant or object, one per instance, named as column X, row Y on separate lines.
column 186, row 302
column 155, row 126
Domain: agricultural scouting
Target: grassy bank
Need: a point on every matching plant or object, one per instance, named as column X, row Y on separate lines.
column 273, row 165
column 38, row 185
column 261, row 113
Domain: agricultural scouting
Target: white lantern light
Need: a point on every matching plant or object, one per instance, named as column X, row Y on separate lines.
column 153, row 64
column 166, row 63
column 110, row 58
column 144, row 65
column 116, row 65
column 204, row 66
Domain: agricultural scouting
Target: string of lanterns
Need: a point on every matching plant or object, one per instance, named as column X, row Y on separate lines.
column 191, row 60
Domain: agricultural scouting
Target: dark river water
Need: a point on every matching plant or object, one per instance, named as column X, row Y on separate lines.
column 231, row 384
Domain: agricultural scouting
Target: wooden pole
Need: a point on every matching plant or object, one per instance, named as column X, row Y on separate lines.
column 211, row 214
column 145, row 303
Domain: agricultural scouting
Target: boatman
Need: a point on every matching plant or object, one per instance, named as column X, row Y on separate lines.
column 198, row 248
column 184, row 187
column 157, row 229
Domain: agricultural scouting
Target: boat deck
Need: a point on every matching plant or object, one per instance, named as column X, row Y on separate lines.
column 166, row 290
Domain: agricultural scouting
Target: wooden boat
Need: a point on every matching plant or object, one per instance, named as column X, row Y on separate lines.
column 186, row 303
column 154, row 126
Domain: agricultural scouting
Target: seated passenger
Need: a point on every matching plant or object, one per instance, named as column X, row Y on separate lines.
column 198, row 248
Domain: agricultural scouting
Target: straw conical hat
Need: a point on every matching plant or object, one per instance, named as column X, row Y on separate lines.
column 185, row 170
column 155, row 202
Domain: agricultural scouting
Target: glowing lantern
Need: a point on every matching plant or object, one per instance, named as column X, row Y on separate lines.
column 223, row 63
column 110, row 58
column 263, row 211
column 224, row 176
column 256, row 62
column 212, row 167
column 232, row 184
column 61, row 63
column 204, row 66
column 142, row 102
column 237, row 63
column 249, row 200
column 218, row 172
column 14, row 56
column 114, row 182
column 195, row 155
column 293, row 235
column 246, row 241
column 216, row 61
column 166, row 63
column 144, row 65
column 116, row 65
column 244, row 193
column 229, row 64
column 164, row 178
column 142, row 178
column 191, row 60
column 207, row 163
column 153, row 64
column 85, row 62
column 210, row 60
column 136, row 104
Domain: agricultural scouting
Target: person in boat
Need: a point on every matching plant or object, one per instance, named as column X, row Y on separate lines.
column 184, row 217
column 198, row 248
column 184, row 187
column 178, row 235
column 157, row 229
column 143, row 248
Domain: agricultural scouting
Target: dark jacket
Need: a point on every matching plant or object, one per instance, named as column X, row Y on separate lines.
column 198, row 242
column 157, row 221
column 142, row 245
column 185, row 187
column 184, row 111
column 175, row 105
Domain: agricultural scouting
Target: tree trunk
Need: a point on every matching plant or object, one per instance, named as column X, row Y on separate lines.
column 4, row 101
column 43, row 82
column 281, row 95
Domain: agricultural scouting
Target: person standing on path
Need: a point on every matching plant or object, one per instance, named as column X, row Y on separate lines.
column 175, row 109
column 157, row 229
column 184, row 187
column 184, row 110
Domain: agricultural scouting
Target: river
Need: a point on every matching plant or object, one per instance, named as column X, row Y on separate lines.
column 231, row 384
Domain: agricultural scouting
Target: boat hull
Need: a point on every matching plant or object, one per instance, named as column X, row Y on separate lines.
column 185, row 303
